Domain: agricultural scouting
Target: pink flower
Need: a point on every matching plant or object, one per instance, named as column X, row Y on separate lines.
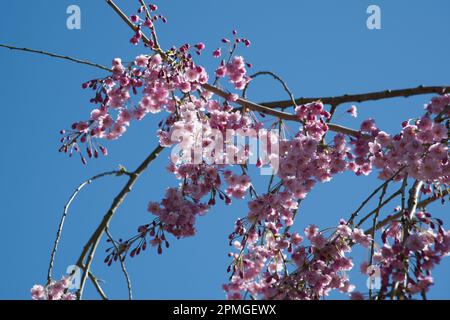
column 217, row 53
column 353, row 111
column 141, row 61
column 38, row 292
column 361, row 238
column 415, row 242
column 368, row 125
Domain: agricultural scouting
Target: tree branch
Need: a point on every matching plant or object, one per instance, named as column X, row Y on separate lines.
column 64, row 215
column 385, row 183
column 97, row 286
column 276, row 113
column 93, row 242
column 122, row 264
column 54, row 55
column 371, row 96
column 424, row 203
column 421, row 204
column 276, row 77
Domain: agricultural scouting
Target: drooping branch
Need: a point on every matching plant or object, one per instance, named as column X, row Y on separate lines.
column 380, row 206
column 276, row 77
column 422, row 204
column 385, row 183
column 92, row 243
column 375, row 218
column 65, row 212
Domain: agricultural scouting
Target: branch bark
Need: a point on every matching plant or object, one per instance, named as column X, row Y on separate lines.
column 64, row 215
column 371, row 96
column 92, row 243
column 59, row 56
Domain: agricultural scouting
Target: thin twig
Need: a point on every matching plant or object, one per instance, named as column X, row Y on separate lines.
column 355, row 213
column 276, row 77
column 385, row 202
column 152, row 29
column 64, row 215
column 421, row 204
column 372, row 247
column 122, row 264
column 94, row 240
column 97, row 286
column 424, row 203
column 54, row 55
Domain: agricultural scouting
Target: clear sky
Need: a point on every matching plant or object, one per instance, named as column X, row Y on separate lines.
column 319, row 47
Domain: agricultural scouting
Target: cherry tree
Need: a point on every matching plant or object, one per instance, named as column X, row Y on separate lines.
column 300, row 146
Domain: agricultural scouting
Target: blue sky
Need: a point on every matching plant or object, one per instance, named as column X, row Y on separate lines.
column 319, row 47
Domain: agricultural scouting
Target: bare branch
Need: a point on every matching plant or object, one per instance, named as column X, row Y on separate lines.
column 421, row 204
column 276, row 77
column 413, row 196
column 97, row 286
column 64, row 215
column 385, row 202
column 94, row 240
column 372, row 247
column 54, row 55
column 424, row 203
column 355, row 213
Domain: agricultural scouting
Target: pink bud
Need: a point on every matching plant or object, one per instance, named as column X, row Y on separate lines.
column 200, row 46
column 217, row 53
column 135, row 18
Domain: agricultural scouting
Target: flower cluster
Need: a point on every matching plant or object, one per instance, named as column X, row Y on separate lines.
column 304, row 161
column 407, row 258
column 235, row 71
column 421, row 147
column 317, row 268
column 176, row 213
column 55, row 290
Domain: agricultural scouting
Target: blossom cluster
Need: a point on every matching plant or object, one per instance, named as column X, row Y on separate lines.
column 263, row 271
column 55, row 290
column 421, row 148
column 407, row 259
column 176, row 213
